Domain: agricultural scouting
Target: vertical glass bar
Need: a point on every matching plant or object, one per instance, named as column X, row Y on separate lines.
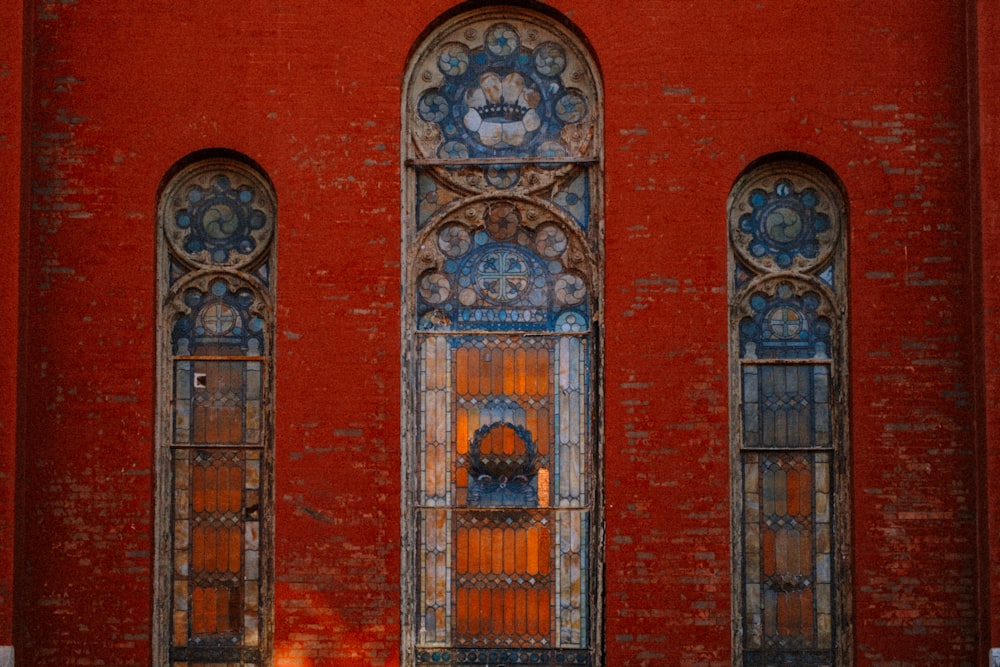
column 751, row 406
column 584, row 588
column 252, row 402
column 435, row 421
column 251, row 548
column 753, row 631
column 180, row 545
column 821, row 405
column 182, row 402
column 571, row 425
column 435, row 584
column 570, row 584
column 824, row 554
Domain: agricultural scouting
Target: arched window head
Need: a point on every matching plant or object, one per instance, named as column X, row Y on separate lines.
column 502, row 277
column 502, row 101
column 216, row 287
column 218, row 215
column 788, row 301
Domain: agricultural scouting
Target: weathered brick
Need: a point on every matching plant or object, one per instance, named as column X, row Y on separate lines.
column 694, row 91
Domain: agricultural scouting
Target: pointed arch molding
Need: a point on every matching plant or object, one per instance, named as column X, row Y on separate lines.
column 214, row 449
column 502, row 224
column 789, row 424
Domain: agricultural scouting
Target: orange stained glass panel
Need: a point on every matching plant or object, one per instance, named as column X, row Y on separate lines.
column 520, row 546
column 462, row 430
column 472, row 371
column 485, row 562
column 215, row 610
column 542, row 429
column 770, row 565
column 473, row 559
column 502, row 590
column 496, row 372
column 503, row 611
column 218, row 402
column 198, row 489
column 462, row 611
column 792, row 492
column 462, row 370
column 520, row 369
column 534, row 601
column 495, row 538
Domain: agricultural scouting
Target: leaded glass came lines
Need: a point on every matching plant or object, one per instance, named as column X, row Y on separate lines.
column 785, row 223
column 503, row 282
column 217, row 221
column 786, row 406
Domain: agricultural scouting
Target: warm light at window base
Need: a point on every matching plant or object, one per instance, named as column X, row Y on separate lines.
column 543, row 487
column 289, row 661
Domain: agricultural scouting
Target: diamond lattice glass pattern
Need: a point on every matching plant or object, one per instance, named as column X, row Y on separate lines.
column 503, row 126
column 217, row 220
column 785, row 225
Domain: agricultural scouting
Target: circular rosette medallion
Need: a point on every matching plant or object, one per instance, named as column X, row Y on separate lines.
column 218, row 313
column 502, row 275
column 570, row 289
column 785, row 222
column 218, row 216
column 490, row 90
column 786, row 319
column 435, row 288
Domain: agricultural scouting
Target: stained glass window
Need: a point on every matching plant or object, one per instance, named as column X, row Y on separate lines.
column 217, row 288
column 786, row 221
column 503, row 284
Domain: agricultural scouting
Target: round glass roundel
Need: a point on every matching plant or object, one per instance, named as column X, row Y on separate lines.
column 502, row 275
column 785, row 220
column 218, row 214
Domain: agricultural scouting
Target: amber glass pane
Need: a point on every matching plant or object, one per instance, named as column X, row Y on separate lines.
column 218, row 402
column 502, row 582
column 217, row 535
column 788, row 561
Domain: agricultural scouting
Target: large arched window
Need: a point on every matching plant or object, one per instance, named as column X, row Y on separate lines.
column 502, row 223
column 216, row 316
column 788, row 302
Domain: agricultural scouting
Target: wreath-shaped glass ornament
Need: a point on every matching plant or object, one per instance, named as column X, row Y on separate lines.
column 499, row 479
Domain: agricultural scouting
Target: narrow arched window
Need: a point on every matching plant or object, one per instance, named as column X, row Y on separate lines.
column 788, row 303
column 216, row 323
column 502, row 291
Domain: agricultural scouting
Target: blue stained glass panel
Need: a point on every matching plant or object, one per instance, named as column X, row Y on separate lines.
column 786, row 406
column 574, row 198
column 503, row 140
column 785, row 325
column 503, row 276
column 223, row 319
column 784, row 223
column 501, row 100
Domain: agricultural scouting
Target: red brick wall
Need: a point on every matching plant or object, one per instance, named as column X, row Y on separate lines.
column 11, row 146
column 694, row 92
column 988, row 24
